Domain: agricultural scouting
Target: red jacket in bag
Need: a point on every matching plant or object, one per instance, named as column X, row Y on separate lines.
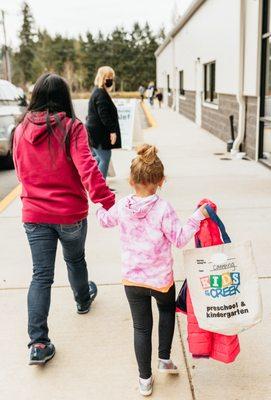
column 203, row 343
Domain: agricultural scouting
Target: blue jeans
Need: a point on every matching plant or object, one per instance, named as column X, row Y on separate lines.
column 103, row 159
column 43, row 239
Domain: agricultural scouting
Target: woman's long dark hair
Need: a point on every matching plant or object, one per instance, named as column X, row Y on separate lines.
column 51, row 93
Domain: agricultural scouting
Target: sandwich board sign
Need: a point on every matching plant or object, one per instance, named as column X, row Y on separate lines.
column 129, row 121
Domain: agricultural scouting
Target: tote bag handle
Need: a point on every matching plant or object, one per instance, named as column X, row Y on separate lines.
column 214, row 217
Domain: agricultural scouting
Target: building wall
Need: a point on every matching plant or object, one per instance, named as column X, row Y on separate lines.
column 213, row 34
column 187, row 105
column 164, row 67
column 206, row 37
column 217, row 121
column 216, row 40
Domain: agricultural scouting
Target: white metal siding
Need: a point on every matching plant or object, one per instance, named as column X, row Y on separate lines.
column 212, row 33
column 164, row 64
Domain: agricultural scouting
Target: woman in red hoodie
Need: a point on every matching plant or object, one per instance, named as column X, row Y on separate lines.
column 56, row 168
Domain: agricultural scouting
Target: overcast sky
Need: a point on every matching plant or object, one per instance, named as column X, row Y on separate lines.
column 72, row 17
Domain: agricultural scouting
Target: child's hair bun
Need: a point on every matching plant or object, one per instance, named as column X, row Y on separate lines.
column 147, row 168
column 147, row 153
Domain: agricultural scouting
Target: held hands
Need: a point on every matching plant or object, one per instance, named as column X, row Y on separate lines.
column 113, row 138
column 204, row 211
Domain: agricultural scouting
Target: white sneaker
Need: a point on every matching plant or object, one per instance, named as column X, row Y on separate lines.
column 145, row 388
column 167, row 367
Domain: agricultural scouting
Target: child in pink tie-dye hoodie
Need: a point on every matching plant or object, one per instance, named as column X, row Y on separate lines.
column 148, row 227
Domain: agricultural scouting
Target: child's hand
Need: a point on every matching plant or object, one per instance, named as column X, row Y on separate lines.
column 204, row 211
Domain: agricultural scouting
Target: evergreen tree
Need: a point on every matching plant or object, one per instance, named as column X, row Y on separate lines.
column 26, row 36
column 130, row 53
column 91, row 59
column 120, row 57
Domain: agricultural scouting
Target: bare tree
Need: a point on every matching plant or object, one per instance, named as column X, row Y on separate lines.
column 175, row 15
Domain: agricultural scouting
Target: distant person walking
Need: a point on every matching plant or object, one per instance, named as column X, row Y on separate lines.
column 151, row 92
column 141, row 91
column 102, row 120
column 159, row 97
column 54, row 163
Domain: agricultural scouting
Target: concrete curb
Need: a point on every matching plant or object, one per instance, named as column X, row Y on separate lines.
column 10, row 198
column 151, row 121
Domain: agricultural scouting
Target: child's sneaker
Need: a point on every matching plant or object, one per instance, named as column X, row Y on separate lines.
column 145, row 386
column 41, row 353
column 167, row 366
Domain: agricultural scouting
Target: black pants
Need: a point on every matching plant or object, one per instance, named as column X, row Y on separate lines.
column 140, row 304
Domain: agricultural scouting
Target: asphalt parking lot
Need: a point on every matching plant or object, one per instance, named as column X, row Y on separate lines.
column 8, row 181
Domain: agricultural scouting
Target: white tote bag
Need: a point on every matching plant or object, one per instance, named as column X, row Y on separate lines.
column 224, row 287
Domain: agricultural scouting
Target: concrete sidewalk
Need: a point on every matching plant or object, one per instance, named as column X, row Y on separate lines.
column 95, row 357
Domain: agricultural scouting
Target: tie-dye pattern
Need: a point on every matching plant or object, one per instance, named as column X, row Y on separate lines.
column 148, row 228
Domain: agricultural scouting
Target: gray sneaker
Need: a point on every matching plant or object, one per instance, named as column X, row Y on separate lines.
column 167, row 367
column 145, row 389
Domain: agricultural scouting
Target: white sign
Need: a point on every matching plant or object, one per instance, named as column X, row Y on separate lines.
column 126, row 116
column 128, row 120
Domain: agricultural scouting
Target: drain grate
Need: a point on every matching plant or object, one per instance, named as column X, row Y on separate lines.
column 225, row 159
column 218, row 154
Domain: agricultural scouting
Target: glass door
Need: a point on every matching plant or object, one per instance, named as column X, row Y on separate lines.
column 265, row 108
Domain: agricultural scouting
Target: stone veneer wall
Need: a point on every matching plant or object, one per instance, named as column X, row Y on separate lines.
column 217, row 121
column 251, row 126
column 187, row 105
column 169, row 98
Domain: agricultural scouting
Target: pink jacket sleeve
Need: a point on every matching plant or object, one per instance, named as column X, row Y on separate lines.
column 175, row 232
column 88, row 170
column 108, row 219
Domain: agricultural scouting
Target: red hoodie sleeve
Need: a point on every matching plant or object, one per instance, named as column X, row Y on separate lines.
column 14, row 151
column 87, row 167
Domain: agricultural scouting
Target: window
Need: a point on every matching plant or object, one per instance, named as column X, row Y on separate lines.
column 168, row 84
column 181, row 86
column 210, row 94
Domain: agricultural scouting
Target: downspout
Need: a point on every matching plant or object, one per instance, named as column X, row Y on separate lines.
column 240, row 97
column 173, row 72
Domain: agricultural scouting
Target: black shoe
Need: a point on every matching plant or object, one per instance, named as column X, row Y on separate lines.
column 84, row 308
column 41, row 353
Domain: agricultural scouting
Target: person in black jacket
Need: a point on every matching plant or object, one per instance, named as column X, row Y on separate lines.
column 102, row 120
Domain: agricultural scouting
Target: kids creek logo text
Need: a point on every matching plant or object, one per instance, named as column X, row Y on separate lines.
column 224, row 285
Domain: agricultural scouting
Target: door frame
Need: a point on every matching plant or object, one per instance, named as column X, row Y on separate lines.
column 264, row 39
column 198, row 92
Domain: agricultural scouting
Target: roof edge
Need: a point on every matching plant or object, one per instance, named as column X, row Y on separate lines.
column 186, row 17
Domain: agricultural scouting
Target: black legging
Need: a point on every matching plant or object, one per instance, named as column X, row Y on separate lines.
column 140, row 304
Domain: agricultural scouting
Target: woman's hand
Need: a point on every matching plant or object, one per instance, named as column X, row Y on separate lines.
column 113, row 138
column 204, row 211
